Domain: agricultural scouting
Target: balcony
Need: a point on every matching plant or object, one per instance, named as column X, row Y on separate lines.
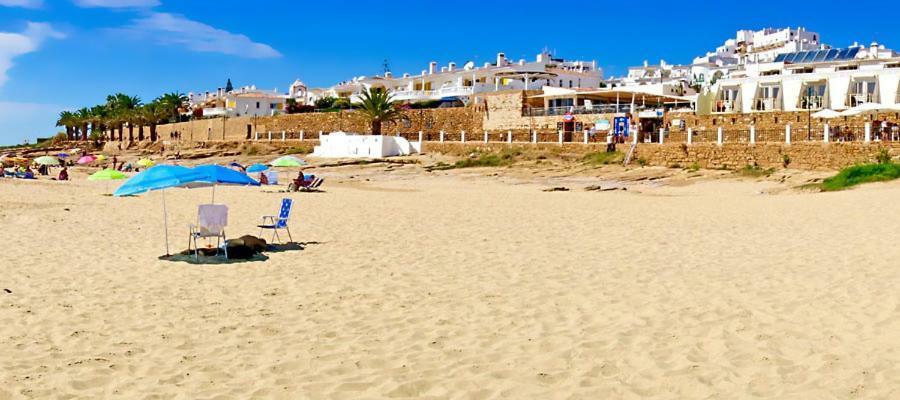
column 724, row 106
column 766, row 104
column 812, row 102
column 855, row 99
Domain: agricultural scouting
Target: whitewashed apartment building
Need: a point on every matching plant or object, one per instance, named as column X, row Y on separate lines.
column 747, row 47
column 836, row 79
column 468, row 80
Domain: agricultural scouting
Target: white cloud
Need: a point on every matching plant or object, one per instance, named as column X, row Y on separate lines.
column 116, row 3
column 22, row 3
column 177, row 30
column 13, row 45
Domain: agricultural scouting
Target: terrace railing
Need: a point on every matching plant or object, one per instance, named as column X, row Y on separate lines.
column 592, row 109
column 724, row 106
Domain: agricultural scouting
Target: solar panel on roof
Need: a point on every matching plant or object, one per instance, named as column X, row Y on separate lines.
column 790, row 57
column 852, row 53
column 780, row 57
column 821, row 55
column 842, row 55
column 810, row 55
column 831, row 54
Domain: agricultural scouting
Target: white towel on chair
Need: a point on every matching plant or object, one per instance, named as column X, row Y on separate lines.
column 212, row 218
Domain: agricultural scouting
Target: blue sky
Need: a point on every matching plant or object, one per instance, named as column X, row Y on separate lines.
column 65, row 54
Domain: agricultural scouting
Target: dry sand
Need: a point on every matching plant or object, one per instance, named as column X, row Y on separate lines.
column 455, row 285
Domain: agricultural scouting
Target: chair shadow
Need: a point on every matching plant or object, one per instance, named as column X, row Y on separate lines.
column 291, row 246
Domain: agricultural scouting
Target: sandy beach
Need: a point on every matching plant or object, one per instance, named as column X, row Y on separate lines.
column 457, row 284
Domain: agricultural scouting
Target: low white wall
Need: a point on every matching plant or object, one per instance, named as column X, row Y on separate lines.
column 348, row 145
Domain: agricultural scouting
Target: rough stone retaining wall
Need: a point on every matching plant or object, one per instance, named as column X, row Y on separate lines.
column 706, row 155
column 430, row 120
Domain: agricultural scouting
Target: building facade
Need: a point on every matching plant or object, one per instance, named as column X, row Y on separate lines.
column 835, row 79
column 466, row 81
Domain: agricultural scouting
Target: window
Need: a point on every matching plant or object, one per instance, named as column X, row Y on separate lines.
column 776, row 120
column 570, row 83
column 257, row 104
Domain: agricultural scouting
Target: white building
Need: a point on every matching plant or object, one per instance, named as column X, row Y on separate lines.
column 247, row 100
column 761, row 46
column 257, row 103
column 810, row 80
column 468, row 80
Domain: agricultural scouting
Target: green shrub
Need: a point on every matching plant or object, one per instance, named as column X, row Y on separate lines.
column 883, row 157
column 863, row 173
column 693, row 167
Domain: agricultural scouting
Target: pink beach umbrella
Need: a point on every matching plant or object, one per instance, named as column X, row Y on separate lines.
column 86, row 159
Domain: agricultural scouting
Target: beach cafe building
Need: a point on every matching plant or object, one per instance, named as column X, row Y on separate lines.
column 584, row 108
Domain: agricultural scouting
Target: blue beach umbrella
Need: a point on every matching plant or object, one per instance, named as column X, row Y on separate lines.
column 219, row 175
column 257, row 168
column 158, row 178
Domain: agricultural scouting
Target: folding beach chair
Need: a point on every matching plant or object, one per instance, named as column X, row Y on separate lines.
column 280, row 222
column 211, row 222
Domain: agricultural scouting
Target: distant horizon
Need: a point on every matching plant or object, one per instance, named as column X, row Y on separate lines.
column 64, row 55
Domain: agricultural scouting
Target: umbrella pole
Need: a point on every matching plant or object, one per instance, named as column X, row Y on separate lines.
column 165, row 221
column 214, row 194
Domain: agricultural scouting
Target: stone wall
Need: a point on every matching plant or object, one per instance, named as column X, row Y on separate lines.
column 774, row 122
column 430, row 120
column 808, row 156
column 767, row 155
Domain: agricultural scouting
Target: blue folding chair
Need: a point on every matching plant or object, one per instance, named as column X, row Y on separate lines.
column 280, row 222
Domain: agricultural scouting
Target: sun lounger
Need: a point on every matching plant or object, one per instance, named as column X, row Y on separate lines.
column 211, row 222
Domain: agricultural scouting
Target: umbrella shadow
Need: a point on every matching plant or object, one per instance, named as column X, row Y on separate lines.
column 209, row 256
column 212, row 259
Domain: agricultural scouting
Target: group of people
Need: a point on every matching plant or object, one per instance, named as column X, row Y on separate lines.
column 25, row 172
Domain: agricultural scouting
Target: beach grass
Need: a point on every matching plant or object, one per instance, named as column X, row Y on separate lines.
column 859, row 174
column 755, row 171
column 604, row 158
column 504, row 158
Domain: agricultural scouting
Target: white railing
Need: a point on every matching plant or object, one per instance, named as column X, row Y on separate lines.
column 855, row 99
column 765, row 104
column 455, row 91
column 724, row 106
column 812, row 102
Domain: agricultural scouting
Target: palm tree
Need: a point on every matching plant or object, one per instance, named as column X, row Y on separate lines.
column 69, row 120
column 83, row 118
column 152, row 114
column 378, row 107
column 172, row 103
column 120, row 106
column 99, row 120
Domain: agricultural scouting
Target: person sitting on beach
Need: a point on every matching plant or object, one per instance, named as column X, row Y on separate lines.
column 63, row 174
column 263, row 179
column 29, row 174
